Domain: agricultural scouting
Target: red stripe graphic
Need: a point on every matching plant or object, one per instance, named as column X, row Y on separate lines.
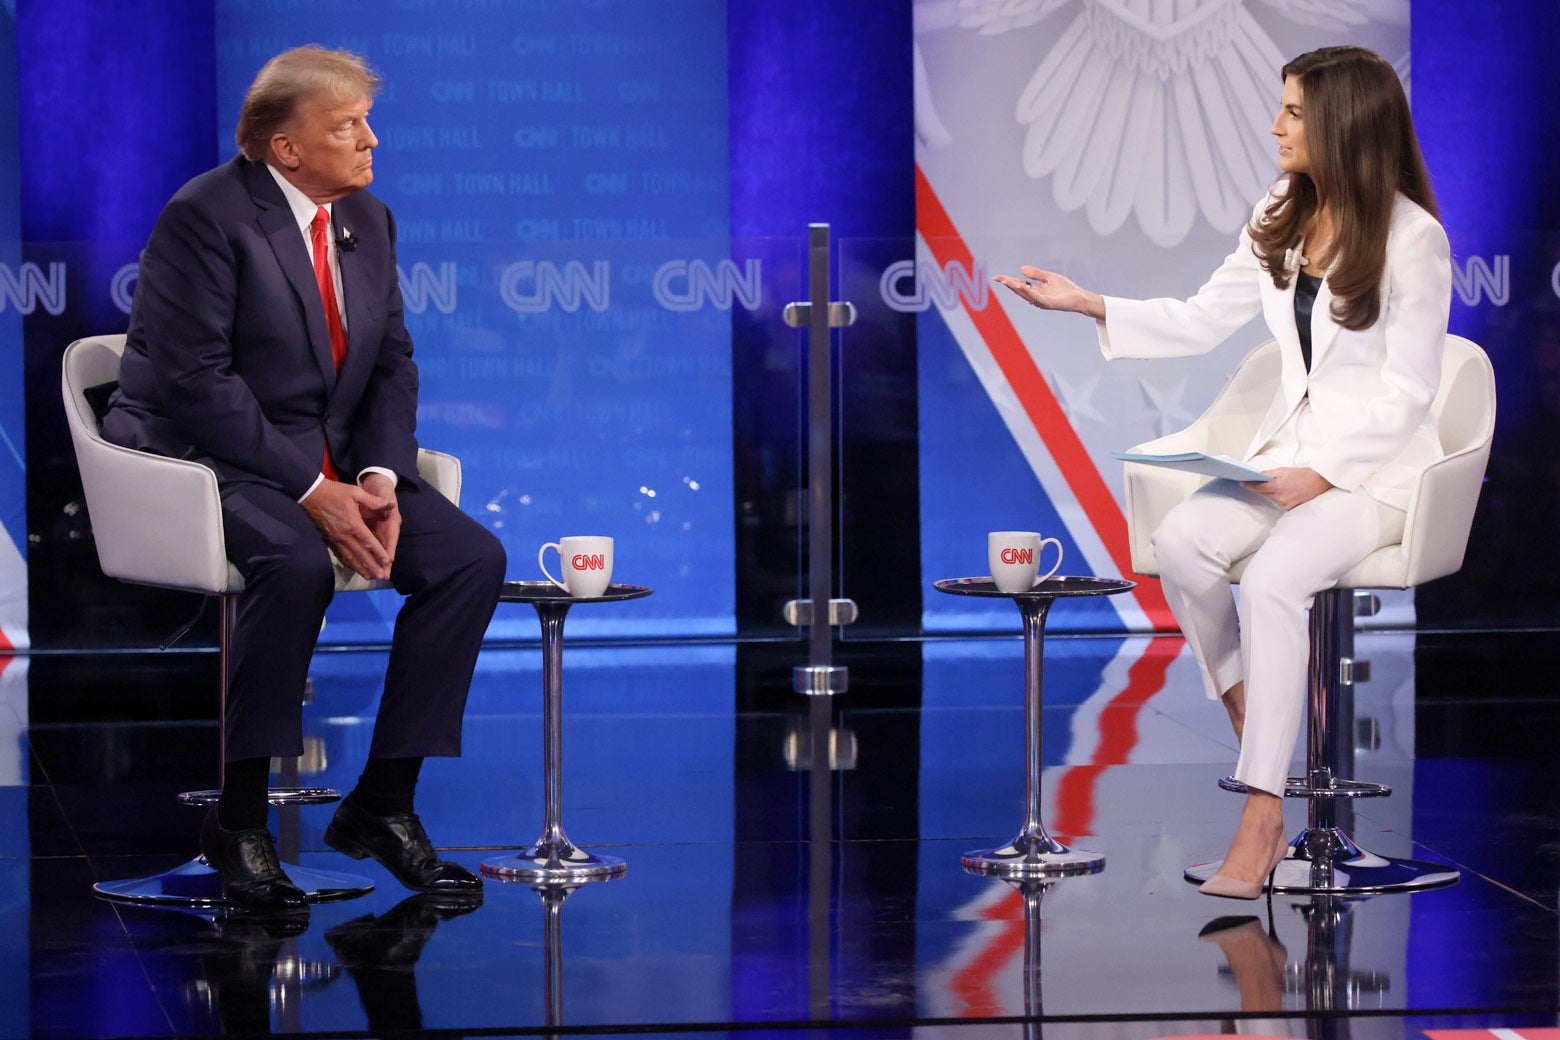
column 1039, row 403
column 973, row 984
column 1075, row 790
column 1075, row 796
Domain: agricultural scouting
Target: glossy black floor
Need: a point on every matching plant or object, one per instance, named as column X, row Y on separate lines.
column 692, row 762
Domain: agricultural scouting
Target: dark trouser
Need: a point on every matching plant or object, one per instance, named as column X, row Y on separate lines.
column 448, row 566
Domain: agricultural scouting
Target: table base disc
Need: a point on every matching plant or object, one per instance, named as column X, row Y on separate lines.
column 1011, row 861
column 548, row 866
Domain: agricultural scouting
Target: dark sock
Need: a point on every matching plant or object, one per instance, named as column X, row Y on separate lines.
column 243, row 806
column 388, row 785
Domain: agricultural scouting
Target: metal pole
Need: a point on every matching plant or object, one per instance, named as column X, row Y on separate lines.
column 820, row 857
column 820, row 611
column 553, row 838
column 1332, row 625
column 820, row 450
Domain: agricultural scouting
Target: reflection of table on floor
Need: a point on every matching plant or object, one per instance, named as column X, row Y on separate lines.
column 554, row 858
column 1034, row 853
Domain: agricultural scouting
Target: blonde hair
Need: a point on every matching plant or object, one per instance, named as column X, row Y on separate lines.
column 290, row 78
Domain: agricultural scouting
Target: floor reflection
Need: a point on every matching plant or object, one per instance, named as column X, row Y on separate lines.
column 380, row 954
column 793, row 861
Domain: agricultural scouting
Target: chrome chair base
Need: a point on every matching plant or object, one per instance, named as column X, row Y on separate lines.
column 1302, row 787
column 275, row 796
column 1325, row 860
column 1032, row 857
column 554, row 864
column 195, row 884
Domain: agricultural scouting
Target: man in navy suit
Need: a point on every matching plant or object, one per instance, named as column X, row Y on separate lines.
column 266, row 341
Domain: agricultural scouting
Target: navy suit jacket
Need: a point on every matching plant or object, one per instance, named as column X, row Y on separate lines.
column 228, row 359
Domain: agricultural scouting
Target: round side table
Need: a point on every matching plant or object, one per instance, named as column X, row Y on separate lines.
column 554, row 859
column 1034, row 853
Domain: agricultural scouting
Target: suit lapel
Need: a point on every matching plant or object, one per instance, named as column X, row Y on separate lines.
column 1279, row 310
column 1292, row 371
column 1323, row 328
column 354, row 286
column 276, row 223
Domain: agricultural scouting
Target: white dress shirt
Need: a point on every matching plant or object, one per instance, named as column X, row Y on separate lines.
column 303, row 210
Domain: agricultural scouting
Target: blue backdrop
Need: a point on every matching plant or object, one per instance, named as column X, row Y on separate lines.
column 567, row 200
column 14, row 296
column 560, row 194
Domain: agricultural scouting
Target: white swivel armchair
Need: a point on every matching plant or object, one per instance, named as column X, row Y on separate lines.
column 158, row 521
column 1324, row 858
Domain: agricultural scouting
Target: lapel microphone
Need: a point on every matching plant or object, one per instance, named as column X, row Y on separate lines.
column 346, row 242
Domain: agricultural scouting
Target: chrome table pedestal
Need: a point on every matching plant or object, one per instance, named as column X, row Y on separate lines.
column 1323, row 858
column 1034, row 853
column 554, row 859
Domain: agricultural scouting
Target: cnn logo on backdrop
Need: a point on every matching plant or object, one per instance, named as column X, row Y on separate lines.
column 1016, row 555
column 588, row 562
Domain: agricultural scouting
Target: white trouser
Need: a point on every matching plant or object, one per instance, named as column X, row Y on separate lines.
column 1294, row 555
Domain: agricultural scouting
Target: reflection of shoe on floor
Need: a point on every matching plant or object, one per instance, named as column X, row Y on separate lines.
column 380, row 954
column 238, row 964
column 1256, row 959
column 399, row 843
column 1225, row 924
column 396, row 937
column 241, row 928
column 248, row 946
column 252, row 877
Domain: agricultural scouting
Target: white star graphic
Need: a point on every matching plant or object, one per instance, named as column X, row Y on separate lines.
column 1077, row 399
column 1168, row 405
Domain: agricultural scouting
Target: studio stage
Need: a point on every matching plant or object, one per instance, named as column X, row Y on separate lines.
column 690, row 761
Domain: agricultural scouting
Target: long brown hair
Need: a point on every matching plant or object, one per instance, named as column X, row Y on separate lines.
column 1363, row 152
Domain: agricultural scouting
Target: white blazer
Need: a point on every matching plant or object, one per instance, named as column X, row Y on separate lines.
column 1370, row 391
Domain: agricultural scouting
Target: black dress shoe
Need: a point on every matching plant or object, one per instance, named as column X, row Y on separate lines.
column 252, row 877
column 399, row 843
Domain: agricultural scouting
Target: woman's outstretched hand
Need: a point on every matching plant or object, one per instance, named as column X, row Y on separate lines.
column 1053, row 292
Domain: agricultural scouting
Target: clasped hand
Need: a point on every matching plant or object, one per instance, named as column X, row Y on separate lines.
column 361, row 524
column 1291, row 486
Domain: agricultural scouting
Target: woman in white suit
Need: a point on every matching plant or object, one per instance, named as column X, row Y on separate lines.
column 1347, row 261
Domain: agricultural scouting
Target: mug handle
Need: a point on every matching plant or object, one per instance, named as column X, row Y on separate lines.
column 1054, row 567
column 540, row 562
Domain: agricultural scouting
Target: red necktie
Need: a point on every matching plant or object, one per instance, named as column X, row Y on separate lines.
column 319, row 228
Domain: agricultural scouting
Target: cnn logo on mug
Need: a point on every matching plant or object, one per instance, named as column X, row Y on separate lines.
column 586, row 562
column 1014, row 557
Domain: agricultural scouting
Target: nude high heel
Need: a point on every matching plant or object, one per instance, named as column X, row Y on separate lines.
column 1231, row 888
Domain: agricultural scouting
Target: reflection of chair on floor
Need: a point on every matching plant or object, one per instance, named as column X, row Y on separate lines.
column 1328, row 979
column 1324, row 858
column 158, row 521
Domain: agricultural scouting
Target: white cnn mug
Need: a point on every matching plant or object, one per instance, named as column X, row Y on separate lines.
column 1014, row 557
column 587, row 564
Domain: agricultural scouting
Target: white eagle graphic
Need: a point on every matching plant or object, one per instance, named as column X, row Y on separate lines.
column 1157, row 109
